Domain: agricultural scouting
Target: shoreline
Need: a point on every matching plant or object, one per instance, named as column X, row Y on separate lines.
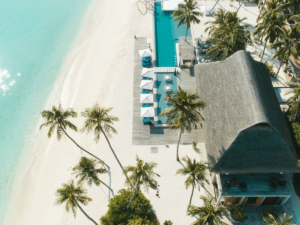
column 42, row 161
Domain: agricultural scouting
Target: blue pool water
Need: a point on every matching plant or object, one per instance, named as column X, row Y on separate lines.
column 166, row 35
column 35, row 37
column 161, row 93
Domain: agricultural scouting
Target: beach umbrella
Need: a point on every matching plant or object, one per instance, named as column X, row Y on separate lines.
column 145, row 52
column 147, row 112
column 147, row 84
column 148, row 72
column 146, row 98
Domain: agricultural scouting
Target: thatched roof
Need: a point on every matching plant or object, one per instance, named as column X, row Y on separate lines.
column 187, row 51
column 245, row 130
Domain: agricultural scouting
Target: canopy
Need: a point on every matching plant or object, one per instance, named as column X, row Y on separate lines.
column 145, row 52
column 148, row 72
column 147, row 112
column 147, row 84
column 146, row 98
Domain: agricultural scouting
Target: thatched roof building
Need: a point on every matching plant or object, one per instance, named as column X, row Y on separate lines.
column 245, row 130
column 187, row 51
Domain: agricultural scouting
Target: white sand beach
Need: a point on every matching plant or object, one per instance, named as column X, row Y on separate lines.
column 99, row 69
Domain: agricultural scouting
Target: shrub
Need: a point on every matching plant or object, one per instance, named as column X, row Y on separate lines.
column 168, row 222
column 238, row 213
column 296, row 183
column 139, row 212
column 270, row 70
column 184, row 66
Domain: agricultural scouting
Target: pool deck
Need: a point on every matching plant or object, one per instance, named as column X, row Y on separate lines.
column 148, row 134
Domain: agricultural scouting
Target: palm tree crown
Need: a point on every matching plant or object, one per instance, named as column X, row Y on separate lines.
column 270, row 22
column 288, row 45
column 294, row 101
column 187, row 14
column 99, row 120
column 142, row 174
column 72, row 196
column 209, row 214
column 227, row 35
column 283, row 220
column 185, row 114
column 57, row 119
column 195, row 173
column 86, row 171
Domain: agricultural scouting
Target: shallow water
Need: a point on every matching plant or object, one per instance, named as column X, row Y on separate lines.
column 36, row 36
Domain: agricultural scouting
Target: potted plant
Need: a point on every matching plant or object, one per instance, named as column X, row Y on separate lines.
column 233, row 181
column 282, row 184
column 270, row 211
column 243, row 186
column 238, row 213
column 194, row 145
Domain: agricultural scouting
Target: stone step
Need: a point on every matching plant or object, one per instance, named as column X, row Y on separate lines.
column 166, row 69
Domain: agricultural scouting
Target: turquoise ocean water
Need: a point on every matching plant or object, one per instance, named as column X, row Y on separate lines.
column 36, row 36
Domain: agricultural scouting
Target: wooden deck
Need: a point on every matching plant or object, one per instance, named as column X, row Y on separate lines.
column 258, row 186
column 149, row 134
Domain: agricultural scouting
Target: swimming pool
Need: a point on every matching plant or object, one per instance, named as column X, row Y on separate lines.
column 161, row 93
column 166, row 37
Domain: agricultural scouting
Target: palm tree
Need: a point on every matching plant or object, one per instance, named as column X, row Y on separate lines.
column 186, row 112
column 195, row 172
column 294, row 6
column 99, row 121
column 57, row 119
column 283, row 220
column 294, row 101
column 141, row 174
column 209, row 214
column 72, row 196
column 187, row 14
column 86, row 171
column 288, row 45
column 227, row 35
column 270, row 22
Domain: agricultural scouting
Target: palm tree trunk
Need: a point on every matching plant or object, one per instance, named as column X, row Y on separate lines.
column 192, row 195
column 240, row 6
column 213, row 7
column 279, row 67
column 85, row 213
column 186, row 33
column 118, row 160
column 177, row 154
column 263, row 52
column 106, row 186
column 132, row 197
column 84, row 149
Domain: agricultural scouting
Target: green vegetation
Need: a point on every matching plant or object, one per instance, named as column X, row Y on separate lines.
column 57, row 119
column 209, row 214
column 195, row 173
column 186, row 112
column 140, row 210
column 168, row 222
column 72, row 196
column 270, row 20
column 99, row 121
column 87, row 172
column 270, row 70
column 141, row 174
column 238, row 213
column 270, row 211
column 187, row 14
column 227, row 35
column 283, row 220
column 288, row 45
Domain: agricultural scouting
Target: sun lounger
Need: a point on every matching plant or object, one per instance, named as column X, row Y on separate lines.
column 147, row 57
column 146, row 92
column 146, row 78
column 145, row 105
column 146, row 120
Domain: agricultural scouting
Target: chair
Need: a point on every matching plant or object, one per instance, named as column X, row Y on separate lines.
column 145, row 64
